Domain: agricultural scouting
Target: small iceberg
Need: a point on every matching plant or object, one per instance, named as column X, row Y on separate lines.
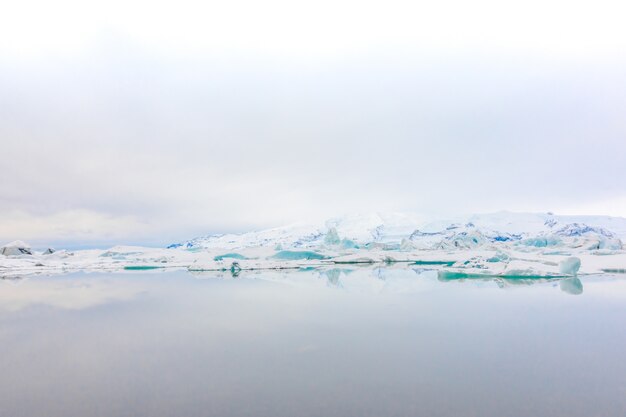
column 570, row 266
column 229, row 255
column 16, row 248
column 332, row 237
column 289, row 255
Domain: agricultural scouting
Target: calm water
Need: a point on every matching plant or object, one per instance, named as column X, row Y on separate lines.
column 371, row 342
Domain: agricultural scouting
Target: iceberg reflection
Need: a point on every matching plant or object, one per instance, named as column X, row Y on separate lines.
column 570, row 285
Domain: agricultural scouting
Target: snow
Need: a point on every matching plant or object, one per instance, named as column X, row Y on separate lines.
column 500, row 244
column 16, row 248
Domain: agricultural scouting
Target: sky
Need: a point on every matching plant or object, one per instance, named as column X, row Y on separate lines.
column 146, row 122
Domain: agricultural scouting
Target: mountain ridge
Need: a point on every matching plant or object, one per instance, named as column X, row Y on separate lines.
column 396, row 228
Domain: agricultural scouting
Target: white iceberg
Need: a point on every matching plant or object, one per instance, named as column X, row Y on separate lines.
column 570, row 266
column 16, row 248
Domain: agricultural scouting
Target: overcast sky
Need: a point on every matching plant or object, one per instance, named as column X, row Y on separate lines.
column 150, row 122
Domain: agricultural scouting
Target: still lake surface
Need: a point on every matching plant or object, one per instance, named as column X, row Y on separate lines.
column 366, row 342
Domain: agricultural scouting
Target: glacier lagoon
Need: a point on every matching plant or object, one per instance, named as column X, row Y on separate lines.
column 500, row 244
column 402, row 340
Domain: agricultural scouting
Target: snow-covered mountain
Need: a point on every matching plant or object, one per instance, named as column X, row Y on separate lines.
column 500, row 244
column 358, row 228
column 410, row 231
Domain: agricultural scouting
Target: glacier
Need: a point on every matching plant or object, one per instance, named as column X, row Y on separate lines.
column 504, row 244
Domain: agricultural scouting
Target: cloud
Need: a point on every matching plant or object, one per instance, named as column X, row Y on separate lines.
column 65, row 226
column 168, row 126
column 318, row 31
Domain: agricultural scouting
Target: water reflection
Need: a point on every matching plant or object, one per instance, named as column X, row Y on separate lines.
column 380, row 278
column 76, row 291
column 571, row 286
column 14, row 278
column 334, row 342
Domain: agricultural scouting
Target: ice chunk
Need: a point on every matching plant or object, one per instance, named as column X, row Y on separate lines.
column 332, row 237
column 580, row 235
column 16, row 248
column 541, row 241
column 499, row 257
column 348, row 244
column 406, row 245
column 569, row 266
column 229, row 255
column 505, row 237
column 289, row 255
column 464, row 240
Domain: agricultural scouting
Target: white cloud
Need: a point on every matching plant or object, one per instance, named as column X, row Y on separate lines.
column 321, row 29
column 154, row 121
column 77, row 225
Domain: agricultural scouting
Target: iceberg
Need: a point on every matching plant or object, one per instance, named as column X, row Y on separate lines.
column 499, row 257
column 498, row 244
column 541, row 241
column 348, row 244
column 332, row 237
column 229, row 255
column 570, row 266
column 16, row 248
column 287, row 255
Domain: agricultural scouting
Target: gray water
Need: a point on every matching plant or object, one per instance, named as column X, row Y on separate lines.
column 368, row 342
